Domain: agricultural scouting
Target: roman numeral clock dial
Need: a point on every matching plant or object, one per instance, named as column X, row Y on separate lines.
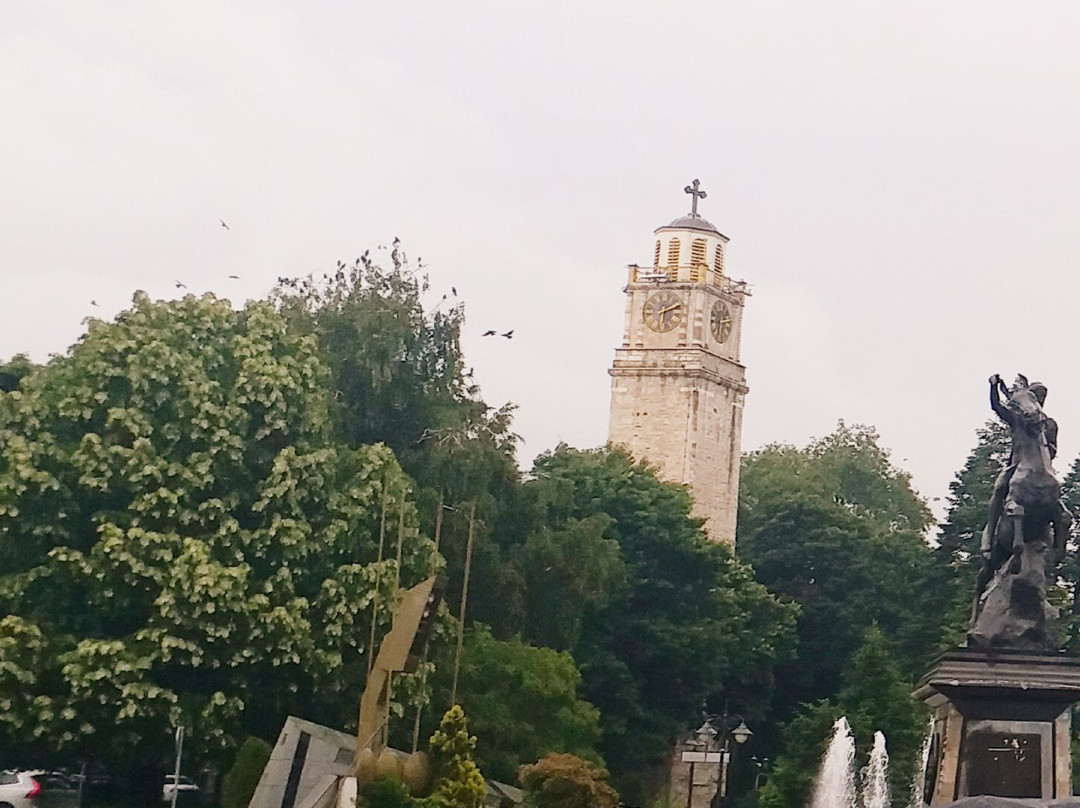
column 720, row 322
column 663, row 311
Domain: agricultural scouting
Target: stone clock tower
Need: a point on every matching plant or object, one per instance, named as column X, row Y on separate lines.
column 677, row 385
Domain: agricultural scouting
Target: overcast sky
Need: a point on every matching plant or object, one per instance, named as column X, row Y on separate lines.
column 900, row 183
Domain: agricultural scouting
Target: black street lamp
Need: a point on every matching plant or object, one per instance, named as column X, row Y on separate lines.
column 741, row 734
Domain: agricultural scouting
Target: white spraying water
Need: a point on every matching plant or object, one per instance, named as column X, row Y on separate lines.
column 875, row 777
column 918, row 782
column 836, row 784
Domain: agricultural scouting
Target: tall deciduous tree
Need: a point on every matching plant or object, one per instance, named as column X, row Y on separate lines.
column 674, row 619
column 836, row 528
column 398, row 377
column 180, row 540
column 522, row 703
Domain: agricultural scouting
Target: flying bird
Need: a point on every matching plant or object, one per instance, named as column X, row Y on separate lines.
column 453, row 291
column 490, row 333
column 180, row 285
column 235, row 277
column 93, row 303
column 225, row 225
column 509, row 334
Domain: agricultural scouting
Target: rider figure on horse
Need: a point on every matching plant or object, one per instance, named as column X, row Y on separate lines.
column 1001, row 484
column 1026, row 505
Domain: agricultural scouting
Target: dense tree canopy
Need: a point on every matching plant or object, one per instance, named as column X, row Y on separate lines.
column 180, row 540
column 836, row 528
column 195, row 500
column 398, row 376
column 523, row 702
column 671, row 617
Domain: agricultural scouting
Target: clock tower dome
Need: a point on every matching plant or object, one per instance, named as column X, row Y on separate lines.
column 677, row 383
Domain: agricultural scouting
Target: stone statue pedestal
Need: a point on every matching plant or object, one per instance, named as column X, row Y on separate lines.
column 1001, row 724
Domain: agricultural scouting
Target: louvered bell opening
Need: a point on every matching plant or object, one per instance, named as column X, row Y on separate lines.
column 673, row 258
column 656, row 258
column 718, row 261
column 697, row 252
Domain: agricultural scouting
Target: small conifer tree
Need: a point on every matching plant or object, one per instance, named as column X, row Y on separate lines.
column 240, row 782
column 458, row 782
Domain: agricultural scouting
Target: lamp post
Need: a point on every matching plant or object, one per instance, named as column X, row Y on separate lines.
column 741, row 734
column 703, row 738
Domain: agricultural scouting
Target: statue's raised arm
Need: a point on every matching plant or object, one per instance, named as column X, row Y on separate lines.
column 997, row 387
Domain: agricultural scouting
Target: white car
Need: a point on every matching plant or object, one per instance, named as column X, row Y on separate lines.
column 188, row 790
column 18, row 789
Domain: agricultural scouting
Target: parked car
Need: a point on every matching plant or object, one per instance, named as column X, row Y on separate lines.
column 58, row 789
column 18, row 789
column 188, row 790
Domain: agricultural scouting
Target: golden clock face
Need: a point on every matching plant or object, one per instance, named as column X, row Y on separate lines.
column 663, row 311
column 720, row 323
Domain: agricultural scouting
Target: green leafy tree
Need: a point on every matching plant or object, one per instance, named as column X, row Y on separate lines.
column 876, row 696
column 1067, row 592
column 567, row 781
column 181, row 539
column 679, row 618
column 838, row 530
column 848, row 468
column 386, row 792
column 12, row 371
column 398, row 377
column 568, row 572
column 243, row 777
column 959, row 536
column 458, row 782
column 522, row 703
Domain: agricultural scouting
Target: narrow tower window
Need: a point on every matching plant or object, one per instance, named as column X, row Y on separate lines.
column 656, row 258
column 718, row 262
column 697, row 252
column 673, row 253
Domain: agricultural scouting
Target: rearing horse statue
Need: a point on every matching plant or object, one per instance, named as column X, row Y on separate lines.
column 1026, row 506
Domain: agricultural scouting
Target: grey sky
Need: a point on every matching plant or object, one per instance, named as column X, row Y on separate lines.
column 900, row 182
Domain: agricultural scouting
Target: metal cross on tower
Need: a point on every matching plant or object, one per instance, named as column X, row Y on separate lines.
column 697, row 194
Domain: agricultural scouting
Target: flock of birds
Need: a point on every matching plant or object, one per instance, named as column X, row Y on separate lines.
column 453, row 290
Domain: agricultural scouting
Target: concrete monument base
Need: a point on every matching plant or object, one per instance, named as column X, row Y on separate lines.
column 1001, row 725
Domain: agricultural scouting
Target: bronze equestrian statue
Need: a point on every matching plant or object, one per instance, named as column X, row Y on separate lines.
column 1026, row 518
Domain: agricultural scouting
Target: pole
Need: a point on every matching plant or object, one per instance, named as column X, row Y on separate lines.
column 375, row 596
column 464, row 601
column 690, row 787
column 423, row 675
column 725, row 754
column 725, row 735
column 176, row 773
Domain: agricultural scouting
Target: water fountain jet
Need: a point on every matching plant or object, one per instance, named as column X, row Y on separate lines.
column 875, row 777
column 836, row 784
